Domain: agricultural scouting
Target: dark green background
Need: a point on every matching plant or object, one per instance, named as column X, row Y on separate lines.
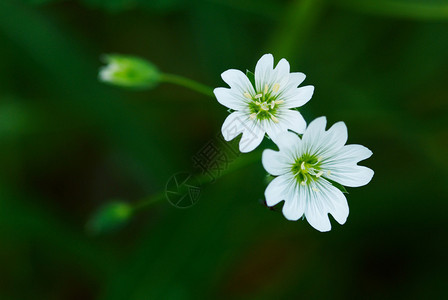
column 69, row 144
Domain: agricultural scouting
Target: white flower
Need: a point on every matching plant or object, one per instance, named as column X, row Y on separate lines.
column 265, row 107
column 305, row 168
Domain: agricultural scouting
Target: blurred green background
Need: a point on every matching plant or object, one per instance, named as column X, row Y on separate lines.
column 70, row 144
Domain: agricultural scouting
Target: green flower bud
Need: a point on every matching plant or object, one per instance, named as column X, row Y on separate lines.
column 129, row 71
column 111, row 216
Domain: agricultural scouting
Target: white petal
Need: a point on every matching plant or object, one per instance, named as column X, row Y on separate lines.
column 274, row 129
column 264, row 71
column 351, row 175
column 314, row 135
column 275, row 163
column 230, row 99
column 238, row 122
column 315, row 128
column 238, row 81
column 344, row 169
column 352, row 153
column 253, row 134
column 288, row 143
column 316, row 211
column 295, row 203
column 334, row 200
column 233, row 126
column 337, row 136
column 297, row 97
column 292, row 119
column 281, row 73
column 277, row 190
column 295, row 79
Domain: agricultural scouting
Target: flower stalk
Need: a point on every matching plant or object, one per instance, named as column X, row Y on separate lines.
column 187, row 83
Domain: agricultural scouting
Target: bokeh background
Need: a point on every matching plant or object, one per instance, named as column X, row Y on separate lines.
column 70, row 144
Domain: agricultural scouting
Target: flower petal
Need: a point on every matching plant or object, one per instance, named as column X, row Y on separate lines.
column 230, row 99
column 232, row 126
column 351, row 175
column 344, row 169
column 297, row 97
column 295, row 203
column 274, row 129
column 334, row 200
column 264, row 71
column 281, row 73
column 253, row 134
column 337, row 136
column 238, row 81
column 292, row 119
column 275, row 163
column 277, row 190
column 238, row 122
column 316, row 211
column 295, row 79
column 289, row 143
column 287, row 119
column 314, row 135
column 353, row 153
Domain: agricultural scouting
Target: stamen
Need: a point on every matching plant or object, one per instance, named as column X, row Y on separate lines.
column 266, row 88
column 272, row 105
column 274, row 119
column 279, row 101
column 303, row 183
column 264, row 106
column 258, row 96
column 247, row 95
column 319, row 174
column 257, row 102
column 276, row 87
column 302, row 166
column 253, row 116
column 328, row 172
column 314, row 189
column 319, row 158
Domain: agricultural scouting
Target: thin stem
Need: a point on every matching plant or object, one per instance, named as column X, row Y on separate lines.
column 147, row 201
column 188, row 83
column 299, row 19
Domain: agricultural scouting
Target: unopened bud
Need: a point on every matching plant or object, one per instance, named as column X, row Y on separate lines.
column 128, row 71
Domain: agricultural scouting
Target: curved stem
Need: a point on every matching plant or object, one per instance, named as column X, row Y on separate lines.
column 188, row 83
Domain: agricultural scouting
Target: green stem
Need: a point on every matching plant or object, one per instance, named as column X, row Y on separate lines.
column 300, row 17
column 188, row 83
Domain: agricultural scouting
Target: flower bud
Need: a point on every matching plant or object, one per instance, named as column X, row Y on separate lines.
column 128, row 71
column 110, row 217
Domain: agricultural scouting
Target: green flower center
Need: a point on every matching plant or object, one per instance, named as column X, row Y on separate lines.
column 307, row 168
column 264, row 105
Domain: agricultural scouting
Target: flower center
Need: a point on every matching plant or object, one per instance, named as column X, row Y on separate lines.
column 307, row 169
column 264, row 105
